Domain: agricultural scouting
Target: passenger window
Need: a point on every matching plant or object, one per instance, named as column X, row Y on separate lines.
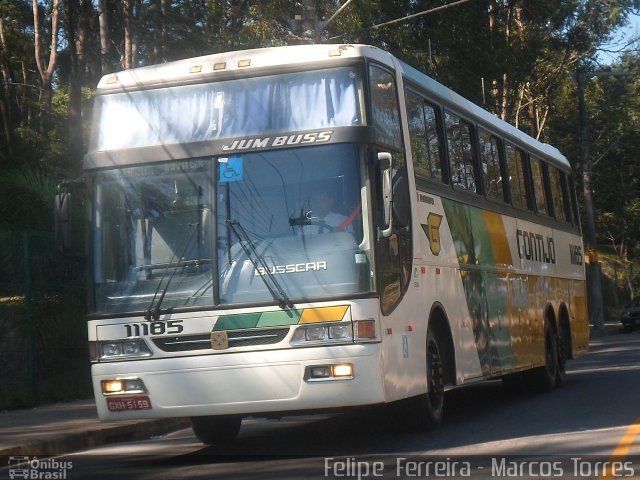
column 558, row 194
column 490, row 161
column 460, row 150
column 517, row 185
column 537, row 172
column 423, row 134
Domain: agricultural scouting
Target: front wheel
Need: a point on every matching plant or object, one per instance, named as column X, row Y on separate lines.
column 216, row 429
column 428, row 409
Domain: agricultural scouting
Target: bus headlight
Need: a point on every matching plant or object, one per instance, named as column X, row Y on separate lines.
column 314, row 334
column 340, row 331
column 321, row 373
column 324, row 333
column 122, row 349
column 123, row 386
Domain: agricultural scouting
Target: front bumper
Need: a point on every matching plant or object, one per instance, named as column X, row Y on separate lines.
column 245, row 383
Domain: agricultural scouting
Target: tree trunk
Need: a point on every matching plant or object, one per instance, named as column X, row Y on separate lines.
column 127, row 54
column 45, row 70
column 533, row 115
column 160, row 32
column 596, row 309
column 74, row 108
column 504, row 93
column 135, row 20
column 103, row 17
column 6, row 90
column 25, row 105
column 130, row 10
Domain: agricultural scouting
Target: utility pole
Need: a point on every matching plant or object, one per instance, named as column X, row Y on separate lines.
column 312, row 28
column 309, row 20
column 596, row 310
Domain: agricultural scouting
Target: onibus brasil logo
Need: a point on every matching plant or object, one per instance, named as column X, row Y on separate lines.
column 36, row 469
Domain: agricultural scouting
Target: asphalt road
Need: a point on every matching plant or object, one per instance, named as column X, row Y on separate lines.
column 579, row 431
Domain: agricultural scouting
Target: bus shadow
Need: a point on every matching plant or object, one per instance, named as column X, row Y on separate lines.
column 475, row 414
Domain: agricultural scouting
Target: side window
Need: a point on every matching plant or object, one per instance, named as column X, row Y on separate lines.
column 537, row 173
column 558, row 194
column 460, row 149
column 489, row 147
column 423, row 134
column 517, row 185
column 385, row 115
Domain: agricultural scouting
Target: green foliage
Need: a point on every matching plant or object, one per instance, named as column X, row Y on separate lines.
column 26, row 200
column 43, row 342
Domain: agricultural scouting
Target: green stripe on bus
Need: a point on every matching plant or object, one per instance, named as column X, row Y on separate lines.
column 254, row 320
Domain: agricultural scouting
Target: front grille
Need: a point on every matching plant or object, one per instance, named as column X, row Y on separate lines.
column 237, row 338
column 183, row 343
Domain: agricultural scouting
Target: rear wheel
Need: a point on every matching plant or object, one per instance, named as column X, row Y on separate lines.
column 562, row 354
column 216, row 429
column 544, row 379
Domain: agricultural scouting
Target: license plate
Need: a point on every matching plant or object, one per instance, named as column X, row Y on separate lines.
column 121, row 404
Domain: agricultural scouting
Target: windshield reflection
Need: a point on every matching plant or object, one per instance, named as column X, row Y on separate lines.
column 303, row 218
column 149, row 222
column 288, row 227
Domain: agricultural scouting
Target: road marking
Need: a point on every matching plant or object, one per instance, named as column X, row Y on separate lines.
column 627, row 440
column 624, row 446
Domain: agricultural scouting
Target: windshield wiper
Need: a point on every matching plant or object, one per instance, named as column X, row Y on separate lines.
column 256, row 259
column 153, row 312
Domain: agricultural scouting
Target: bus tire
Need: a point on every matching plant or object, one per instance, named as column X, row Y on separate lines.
column 216, row 429
column 561, row 356
column 544, row 379
column 429, row 407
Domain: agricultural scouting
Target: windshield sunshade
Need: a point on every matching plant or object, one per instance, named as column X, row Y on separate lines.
column 191, row 113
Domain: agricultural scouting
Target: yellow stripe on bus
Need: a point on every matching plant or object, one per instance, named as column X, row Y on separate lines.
column 324, row 314
column 498, row 236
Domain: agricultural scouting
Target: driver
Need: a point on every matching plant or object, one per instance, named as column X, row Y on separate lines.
column 325, row 219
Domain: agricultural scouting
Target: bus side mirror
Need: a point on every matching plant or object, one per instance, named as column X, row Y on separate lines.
column 62, row 221
column 387, row 193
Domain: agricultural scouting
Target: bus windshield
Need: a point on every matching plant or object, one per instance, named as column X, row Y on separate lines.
column 251, row 228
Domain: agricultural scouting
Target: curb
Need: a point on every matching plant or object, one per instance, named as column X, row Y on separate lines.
column 103, row 435
column 607, row 329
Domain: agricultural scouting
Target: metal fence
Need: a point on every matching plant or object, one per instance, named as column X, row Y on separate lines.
column 43, row 340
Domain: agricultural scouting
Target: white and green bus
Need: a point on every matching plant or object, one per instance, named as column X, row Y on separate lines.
column 304, row 228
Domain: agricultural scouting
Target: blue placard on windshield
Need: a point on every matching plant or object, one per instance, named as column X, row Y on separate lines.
column 230, row 170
